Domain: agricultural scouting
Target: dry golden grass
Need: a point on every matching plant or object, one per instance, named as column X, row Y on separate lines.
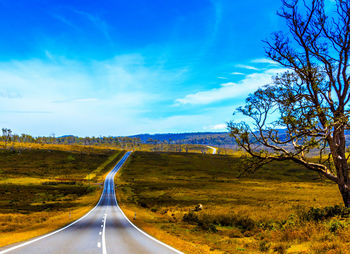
column 163, row 187
column 188, row 148
column 38, row 198
column 143, row 219
column 60, row 147
column 23, row 180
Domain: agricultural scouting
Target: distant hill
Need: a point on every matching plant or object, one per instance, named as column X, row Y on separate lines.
column 204, row 138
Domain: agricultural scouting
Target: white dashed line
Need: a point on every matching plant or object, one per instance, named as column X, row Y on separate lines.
column 104, row 251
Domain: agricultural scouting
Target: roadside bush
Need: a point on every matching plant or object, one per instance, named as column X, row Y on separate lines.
column 281, row 248
column 209, row 222
column 319, row 214
column 264, row 246
column 242, row 222
column 335, row 225
column 204, row 223
column 210, row 227
column 245, row 223
column 190, row 218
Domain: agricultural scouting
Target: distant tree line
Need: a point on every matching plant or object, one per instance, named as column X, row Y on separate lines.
column 182, row 142
column 159, row 140
column 124, row 142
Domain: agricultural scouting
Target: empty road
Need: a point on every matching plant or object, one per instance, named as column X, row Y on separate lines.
column 105, row 229
column 213, row 148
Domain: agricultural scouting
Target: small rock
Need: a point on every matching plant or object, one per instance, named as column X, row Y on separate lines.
column 198, row 207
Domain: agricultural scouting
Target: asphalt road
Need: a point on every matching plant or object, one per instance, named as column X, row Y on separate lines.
column 213, row 148
column 105, row 229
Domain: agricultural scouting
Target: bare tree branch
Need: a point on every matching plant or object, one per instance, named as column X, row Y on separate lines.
column 311, row 98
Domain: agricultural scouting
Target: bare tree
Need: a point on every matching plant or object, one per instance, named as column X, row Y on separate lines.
column 310, row 100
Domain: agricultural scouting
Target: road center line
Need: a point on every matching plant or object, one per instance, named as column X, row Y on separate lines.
column 104, row 251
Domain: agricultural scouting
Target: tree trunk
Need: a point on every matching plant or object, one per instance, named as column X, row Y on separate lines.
column 345, row 195
column 341, row 163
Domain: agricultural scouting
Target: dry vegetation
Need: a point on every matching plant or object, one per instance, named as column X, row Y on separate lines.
column 186, row 148
column 44, row 187
column 281, row 209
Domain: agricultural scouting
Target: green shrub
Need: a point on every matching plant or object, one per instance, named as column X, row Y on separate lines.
column 319, row 214
column 210, row 227
column 70, row 158
column 264, row 246
column 209, row 222
column 280, row 249
column 335, row 225
column 190, row 218
column 245, row 223
column 203, row 223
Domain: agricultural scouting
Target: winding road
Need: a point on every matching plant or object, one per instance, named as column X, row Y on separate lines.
column 213, row 148
column 105, row 229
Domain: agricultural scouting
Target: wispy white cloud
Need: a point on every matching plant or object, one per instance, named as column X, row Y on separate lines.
column 98, row 22
column 222, row 78
column 248, row 67
column 216, row 127
column 230, row 90
column 49, row 55
column 264, row 61
column 65, row 21
column 237, row 73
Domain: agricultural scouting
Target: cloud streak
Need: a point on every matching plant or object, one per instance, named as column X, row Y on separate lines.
column 248, row 67
column 99, row 23
column 229, row 90
column 216, row 127
column 264, row 61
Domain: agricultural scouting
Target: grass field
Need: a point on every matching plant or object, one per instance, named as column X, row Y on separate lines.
column 44, row 187
column 278, row 210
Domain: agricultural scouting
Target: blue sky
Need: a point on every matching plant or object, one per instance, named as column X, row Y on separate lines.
column 121, row 67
